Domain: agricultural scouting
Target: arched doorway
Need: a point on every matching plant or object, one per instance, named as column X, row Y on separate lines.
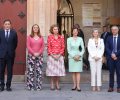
column 65, row 21
column 65, row 16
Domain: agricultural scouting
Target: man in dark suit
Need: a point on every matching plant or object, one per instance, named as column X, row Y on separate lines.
column 104, row 36
column 113, row 58
column 105, row 33
column 8, row 44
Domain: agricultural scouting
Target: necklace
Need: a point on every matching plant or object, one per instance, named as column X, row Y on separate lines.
column 75, row 38
column 36, row 37
column 96, row 42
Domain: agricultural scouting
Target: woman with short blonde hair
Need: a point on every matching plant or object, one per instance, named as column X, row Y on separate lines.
column 96, row 50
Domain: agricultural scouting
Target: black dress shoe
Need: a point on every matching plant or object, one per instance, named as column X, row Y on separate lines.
column 1, row 89
column 8, row 89
column 118, row 90
column 52, row 89
column 110, row 90
column 58, row 88
column 79, row 90
column 74, row 88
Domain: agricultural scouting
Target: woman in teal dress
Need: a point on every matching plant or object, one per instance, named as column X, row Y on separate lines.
column 75, row 47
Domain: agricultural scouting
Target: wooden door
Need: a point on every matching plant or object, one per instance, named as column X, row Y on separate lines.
column 16, row 11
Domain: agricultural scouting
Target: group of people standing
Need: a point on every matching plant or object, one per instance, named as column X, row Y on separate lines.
column 55, row 61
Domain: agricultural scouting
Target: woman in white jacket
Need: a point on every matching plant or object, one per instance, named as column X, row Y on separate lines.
column 96, row 50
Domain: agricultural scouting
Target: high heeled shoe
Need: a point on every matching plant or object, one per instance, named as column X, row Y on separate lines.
column 93, row 88
column 74, row 88
column 79, row 90
column 98, row 88
column 58, row 88
column 52, row 88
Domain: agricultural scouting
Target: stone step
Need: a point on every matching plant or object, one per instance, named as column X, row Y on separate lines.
column 85, row 77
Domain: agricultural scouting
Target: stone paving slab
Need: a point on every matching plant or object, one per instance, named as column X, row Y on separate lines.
column 20, row 93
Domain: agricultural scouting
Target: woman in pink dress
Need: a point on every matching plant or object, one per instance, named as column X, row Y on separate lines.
column 35, row 46
column 55, row 63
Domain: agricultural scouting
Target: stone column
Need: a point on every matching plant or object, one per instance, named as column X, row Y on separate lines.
column 43, row 13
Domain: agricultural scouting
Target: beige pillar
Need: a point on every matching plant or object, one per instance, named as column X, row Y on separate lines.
column 43, row 13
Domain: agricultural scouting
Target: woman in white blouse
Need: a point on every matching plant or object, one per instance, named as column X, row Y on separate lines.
column 96, row 50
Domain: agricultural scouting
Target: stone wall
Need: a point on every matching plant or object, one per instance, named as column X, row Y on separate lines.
column 40, row 12
column 108, row 9
column 44, row 14
column 117, row 8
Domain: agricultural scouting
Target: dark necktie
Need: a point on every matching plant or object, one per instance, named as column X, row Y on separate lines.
column 114, row 45
column 7, row 35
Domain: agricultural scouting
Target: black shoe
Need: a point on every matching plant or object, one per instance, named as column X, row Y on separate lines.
column 74, row 88
column 118, row 90
column 8, row 89
column 58, row 88
column 110, row 90
column 79, row 90
column 52, row 88
column 1, row 89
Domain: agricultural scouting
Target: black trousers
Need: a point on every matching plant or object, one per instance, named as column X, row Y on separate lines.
column 6, row 62
column 114, row 66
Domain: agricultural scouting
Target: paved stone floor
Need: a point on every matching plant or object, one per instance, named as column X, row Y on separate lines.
column 20, row 93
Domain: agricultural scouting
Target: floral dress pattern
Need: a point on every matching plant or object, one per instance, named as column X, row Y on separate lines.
column 34, row 72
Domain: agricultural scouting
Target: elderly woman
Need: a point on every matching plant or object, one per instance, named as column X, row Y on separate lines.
column 55, row 63
column 75, row 47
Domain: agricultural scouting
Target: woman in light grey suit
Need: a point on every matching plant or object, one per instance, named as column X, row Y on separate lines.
column 96, row 50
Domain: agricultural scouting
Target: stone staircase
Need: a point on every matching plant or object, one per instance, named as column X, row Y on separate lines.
column 85, row 77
